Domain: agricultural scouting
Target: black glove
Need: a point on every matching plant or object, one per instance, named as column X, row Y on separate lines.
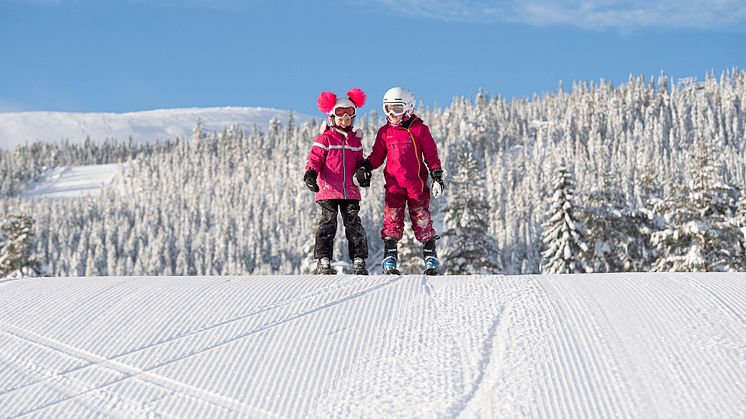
column 367, row 165
column 310, row 180
column 363, row 174
column 437, row 176
column 363, row 177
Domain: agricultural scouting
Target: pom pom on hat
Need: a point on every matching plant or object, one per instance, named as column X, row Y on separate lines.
column 326, row 101
column 357, row 97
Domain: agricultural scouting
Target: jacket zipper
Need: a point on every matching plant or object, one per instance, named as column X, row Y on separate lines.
column 417, row 157
column 344, row 169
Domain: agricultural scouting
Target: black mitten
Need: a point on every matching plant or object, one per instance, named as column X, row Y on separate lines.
column 363, row 177
column 310, row 180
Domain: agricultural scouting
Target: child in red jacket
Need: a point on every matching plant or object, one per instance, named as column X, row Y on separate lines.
column 332, row 163
column 408, row 148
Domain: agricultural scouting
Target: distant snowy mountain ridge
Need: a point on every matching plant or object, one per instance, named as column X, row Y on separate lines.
column 18, row 128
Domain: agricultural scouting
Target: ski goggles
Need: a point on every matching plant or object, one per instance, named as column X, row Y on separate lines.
column 345, row 113
column 395, row 109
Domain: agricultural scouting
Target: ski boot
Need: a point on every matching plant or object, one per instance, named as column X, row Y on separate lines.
column 358, row 267
column 324, row 267
column 390, row 257
column 432, row 264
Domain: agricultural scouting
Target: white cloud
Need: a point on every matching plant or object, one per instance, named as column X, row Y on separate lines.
column 589, row 14
column 636, row 13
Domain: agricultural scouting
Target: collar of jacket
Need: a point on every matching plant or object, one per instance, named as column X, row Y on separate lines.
column 406, row 124
column 344, row 133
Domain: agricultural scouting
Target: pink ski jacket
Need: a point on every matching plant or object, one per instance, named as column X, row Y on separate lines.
column 335, row 155
column 409, row 151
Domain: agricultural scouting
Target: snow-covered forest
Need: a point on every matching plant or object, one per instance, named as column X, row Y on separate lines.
column 647, row 175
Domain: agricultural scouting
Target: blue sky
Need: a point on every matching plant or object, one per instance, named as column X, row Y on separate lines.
column 133, row 55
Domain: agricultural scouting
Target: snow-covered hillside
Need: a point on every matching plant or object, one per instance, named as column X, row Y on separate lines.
column 18, row 128
column 615, row 345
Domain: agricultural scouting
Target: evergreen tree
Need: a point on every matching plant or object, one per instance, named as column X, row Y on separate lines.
column 602, row 218
column 566, row 250
column 410, row 252
column 617, row 235
column 308, row 263
column 700, row 232
column 198, row 132
column 16, row 248
column 471, row 248
column 740, row 221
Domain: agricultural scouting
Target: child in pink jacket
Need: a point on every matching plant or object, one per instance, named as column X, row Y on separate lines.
column 332, row 163
column 408, row 148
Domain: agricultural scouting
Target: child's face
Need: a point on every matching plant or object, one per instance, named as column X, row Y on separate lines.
column 342, row 122
column 395, row 119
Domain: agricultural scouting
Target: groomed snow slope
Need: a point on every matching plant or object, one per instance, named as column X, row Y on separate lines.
column 74, row 181
column 619, row 345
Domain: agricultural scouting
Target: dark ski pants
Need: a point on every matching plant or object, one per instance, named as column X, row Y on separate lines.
column 357, row 240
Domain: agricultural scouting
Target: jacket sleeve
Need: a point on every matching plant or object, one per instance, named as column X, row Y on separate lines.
column 359, row 154
column 317, row 158
column 378, row 154
column 429, row 149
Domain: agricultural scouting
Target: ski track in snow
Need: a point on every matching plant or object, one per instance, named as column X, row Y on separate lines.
column 615, row 345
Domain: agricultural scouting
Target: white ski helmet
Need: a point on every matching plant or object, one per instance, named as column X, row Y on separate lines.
column 329, row 102
column 398, row 96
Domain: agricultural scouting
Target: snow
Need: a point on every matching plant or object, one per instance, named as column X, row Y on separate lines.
column 74, row 181
column 19, row 128
column 595, row 345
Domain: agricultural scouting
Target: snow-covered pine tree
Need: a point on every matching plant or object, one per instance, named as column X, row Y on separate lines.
column 198, row 132
column 566, row 250
column 601, row 219
column 308, row 263
column 741, row 214
column 616, row 234
column 471, row 248
column 410, row 252
column 16, row 248
column 341, row 255
column 2, row 247
column 700, row 232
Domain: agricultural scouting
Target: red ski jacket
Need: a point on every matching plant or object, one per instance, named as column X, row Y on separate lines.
column 335, row 155
column 409, row 151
